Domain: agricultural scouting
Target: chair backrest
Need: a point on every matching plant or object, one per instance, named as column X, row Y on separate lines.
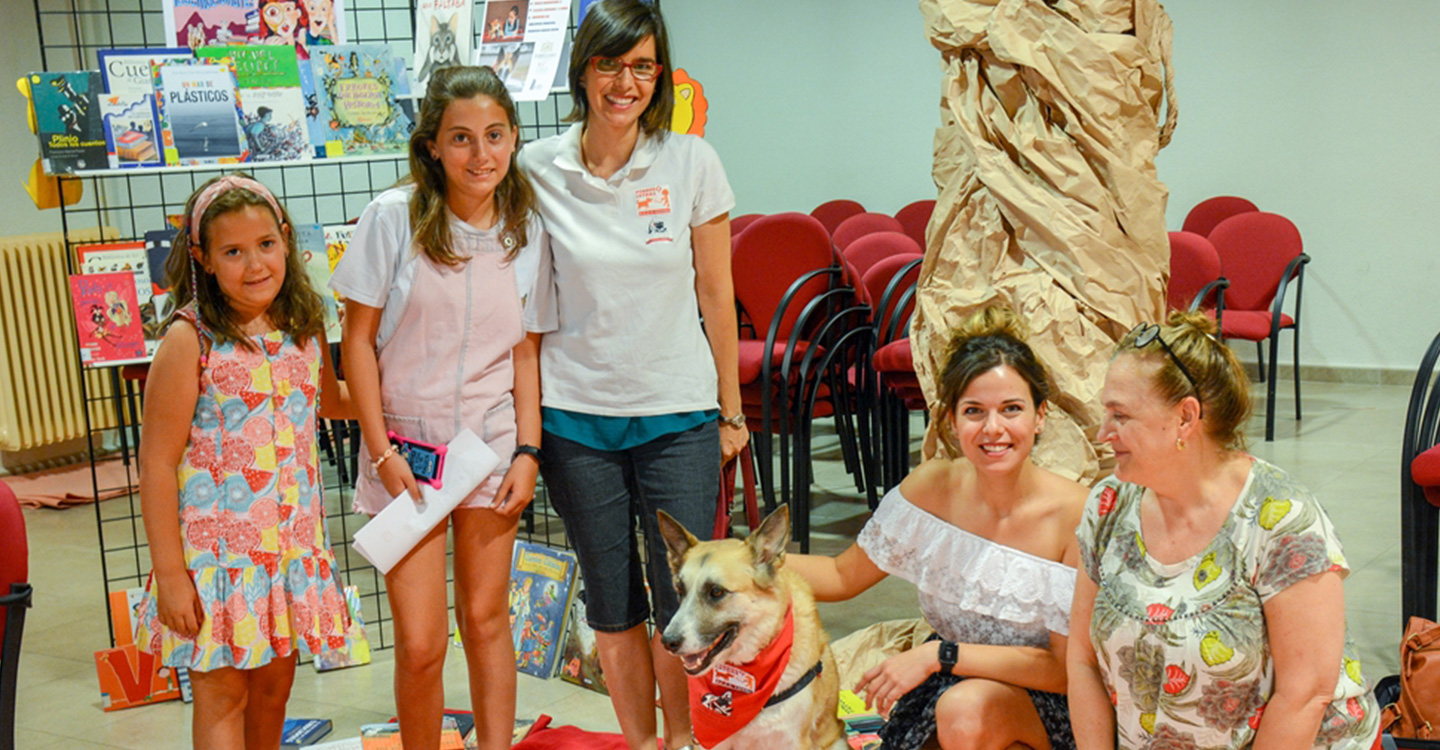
column 1208, row 214
column 878, row 279
column 831, row 213
column 1254, row 249
column 859, row 225
column 870, row 249
column 769, row 257
column 738, row 224
column 915, row 217
column 1193, row 264
column 14, row 550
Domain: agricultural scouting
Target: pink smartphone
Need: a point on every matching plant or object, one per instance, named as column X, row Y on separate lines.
column 427, row 462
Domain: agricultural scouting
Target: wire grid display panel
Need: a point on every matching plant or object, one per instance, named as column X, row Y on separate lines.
column 127, row 203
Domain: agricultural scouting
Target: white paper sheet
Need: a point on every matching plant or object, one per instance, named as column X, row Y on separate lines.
column 394, row 531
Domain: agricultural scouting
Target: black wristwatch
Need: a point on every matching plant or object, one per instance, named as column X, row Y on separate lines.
column 531, row 451
column 949, row 655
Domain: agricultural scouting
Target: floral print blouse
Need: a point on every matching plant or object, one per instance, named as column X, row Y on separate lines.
column 1182, row 647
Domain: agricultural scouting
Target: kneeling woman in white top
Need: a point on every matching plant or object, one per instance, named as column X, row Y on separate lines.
column 989, row 540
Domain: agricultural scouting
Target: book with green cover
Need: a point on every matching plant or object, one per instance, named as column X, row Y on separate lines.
column 272, row 102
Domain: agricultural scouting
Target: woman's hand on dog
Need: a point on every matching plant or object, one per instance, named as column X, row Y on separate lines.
column 884, row 684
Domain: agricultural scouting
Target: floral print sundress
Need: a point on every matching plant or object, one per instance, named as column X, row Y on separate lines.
column 1182, row 647
column 252, row 519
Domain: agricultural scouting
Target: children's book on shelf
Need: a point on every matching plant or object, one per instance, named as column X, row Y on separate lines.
column 310, row 241
column 358, row 94
column 130, row 677
column 272, row 100
column 356, row 650
column 157, row 250
column 128, row 104
column 199, row 111
column 317, row 122
column 107, row 318
column 132, row 258
column 68, row 121
column 337, row 239
column 542, row 583
column 302, row 732
column 443, row 33
column 200, row 23
column 579, row 660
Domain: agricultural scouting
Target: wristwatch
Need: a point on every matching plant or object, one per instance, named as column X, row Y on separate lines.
column 949, row 655
column 736, row 421
column 528, row 450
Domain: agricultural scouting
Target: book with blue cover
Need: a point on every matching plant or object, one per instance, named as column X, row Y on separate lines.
column 128, row 104
column 272, row 101
column 302, row 732
column 542, row 584
column 199, row 111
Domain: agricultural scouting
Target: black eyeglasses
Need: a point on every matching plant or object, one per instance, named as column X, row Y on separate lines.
column 1146, row 334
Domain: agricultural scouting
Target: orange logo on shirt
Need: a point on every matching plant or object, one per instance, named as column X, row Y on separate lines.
column 652, row 200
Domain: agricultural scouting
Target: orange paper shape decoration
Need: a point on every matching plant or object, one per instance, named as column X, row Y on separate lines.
column 691, row 106
column 130, row 677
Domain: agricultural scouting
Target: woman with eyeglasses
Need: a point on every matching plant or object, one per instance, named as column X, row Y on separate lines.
column 640, row 403
column 1210, row 580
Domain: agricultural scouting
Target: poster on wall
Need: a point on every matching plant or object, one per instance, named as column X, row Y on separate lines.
column 443, row 35
column 305, row 24
column 524, row 41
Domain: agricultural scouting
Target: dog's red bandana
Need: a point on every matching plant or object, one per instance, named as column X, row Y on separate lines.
column 729, row 696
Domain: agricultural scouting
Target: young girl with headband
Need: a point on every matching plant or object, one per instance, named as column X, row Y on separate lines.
column 243, row 576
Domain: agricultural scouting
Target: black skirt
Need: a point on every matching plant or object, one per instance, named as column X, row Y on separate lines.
column 912, row 720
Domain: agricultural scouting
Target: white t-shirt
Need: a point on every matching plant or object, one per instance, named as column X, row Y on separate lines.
column 378, row 268
column 629, row 341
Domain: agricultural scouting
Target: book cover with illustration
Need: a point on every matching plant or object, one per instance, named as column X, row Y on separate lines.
column 579, row 661
column 357, row 646
column 128, row 104
column 316, row 119
column 310, row 241
column 542, row 583
column 199, row 111
column 272, row 100
column 132, row 258
column 130, row 677
column 387, row 736
column 200, row 23
column 358, row 93
column 107, row 319
column 68, row 121
column 443, row 33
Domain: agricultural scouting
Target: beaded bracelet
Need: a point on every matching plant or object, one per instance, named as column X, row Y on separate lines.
column 384, row 457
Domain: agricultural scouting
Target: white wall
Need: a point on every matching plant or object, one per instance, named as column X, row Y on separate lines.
column 1320, row 110
column 19, row 54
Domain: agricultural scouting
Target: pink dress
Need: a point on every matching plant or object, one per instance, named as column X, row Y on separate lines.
column 252, row 518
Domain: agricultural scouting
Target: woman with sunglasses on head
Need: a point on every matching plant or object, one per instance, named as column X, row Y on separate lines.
column 1210, row 580
column 640, row 403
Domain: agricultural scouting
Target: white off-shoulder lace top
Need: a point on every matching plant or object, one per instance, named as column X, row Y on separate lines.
column 972, row 590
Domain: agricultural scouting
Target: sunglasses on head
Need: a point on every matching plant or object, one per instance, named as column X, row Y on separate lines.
column 1146, row 334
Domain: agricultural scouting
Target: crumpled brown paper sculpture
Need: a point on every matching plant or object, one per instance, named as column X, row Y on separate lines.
column 1045, row 161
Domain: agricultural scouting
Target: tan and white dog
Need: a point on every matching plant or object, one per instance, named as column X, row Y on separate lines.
column 760, row 670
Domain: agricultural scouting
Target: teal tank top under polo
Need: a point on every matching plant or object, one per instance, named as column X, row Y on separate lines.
column 604, row 433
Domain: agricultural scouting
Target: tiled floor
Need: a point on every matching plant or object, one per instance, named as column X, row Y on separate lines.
column 1346, row 450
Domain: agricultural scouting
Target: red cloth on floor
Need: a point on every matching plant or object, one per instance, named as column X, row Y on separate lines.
column 545, row 737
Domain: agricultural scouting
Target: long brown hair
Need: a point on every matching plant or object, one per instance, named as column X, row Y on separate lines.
column 514, row 196
column 297, row 309
column 611, row 29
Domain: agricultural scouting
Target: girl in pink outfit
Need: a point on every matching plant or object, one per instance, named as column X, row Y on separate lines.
column 447, row 290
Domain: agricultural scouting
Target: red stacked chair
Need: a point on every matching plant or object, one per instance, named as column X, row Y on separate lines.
column 1420, row 492
column 891, row 283
column 1195, row 275
column 859, row 225
column 831, row 213
column 807, row 330
column 738, row 224
column 915, row 218
column 15, row 596
column 1261, row 253
column 872, row 248
column 1207, row 214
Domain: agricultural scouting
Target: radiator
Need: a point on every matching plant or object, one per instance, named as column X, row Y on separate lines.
column 40, row 398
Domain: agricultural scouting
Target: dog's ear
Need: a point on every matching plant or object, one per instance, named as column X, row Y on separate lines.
column 767, row 543
column 678, row 541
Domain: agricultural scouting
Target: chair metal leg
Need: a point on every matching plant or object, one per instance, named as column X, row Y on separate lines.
column 1270, row 389
column 1260, row 359
column 1295, row 334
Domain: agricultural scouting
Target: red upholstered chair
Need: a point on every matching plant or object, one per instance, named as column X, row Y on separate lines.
column 738, row 223
column 15, row 595
column 1207, row 214
column 915, row 218
column 1195, row 275
column 872, row 248
column 891, row 282
column 1261, row 254
column 808, row 330
column 859, row 225
column 1420, row 492
column 831, row 213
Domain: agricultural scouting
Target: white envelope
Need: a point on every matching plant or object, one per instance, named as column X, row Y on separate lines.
column 394, row 531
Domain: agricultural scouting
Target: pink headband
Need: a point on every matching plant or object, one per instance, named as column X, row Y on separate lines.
column 228, row 182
